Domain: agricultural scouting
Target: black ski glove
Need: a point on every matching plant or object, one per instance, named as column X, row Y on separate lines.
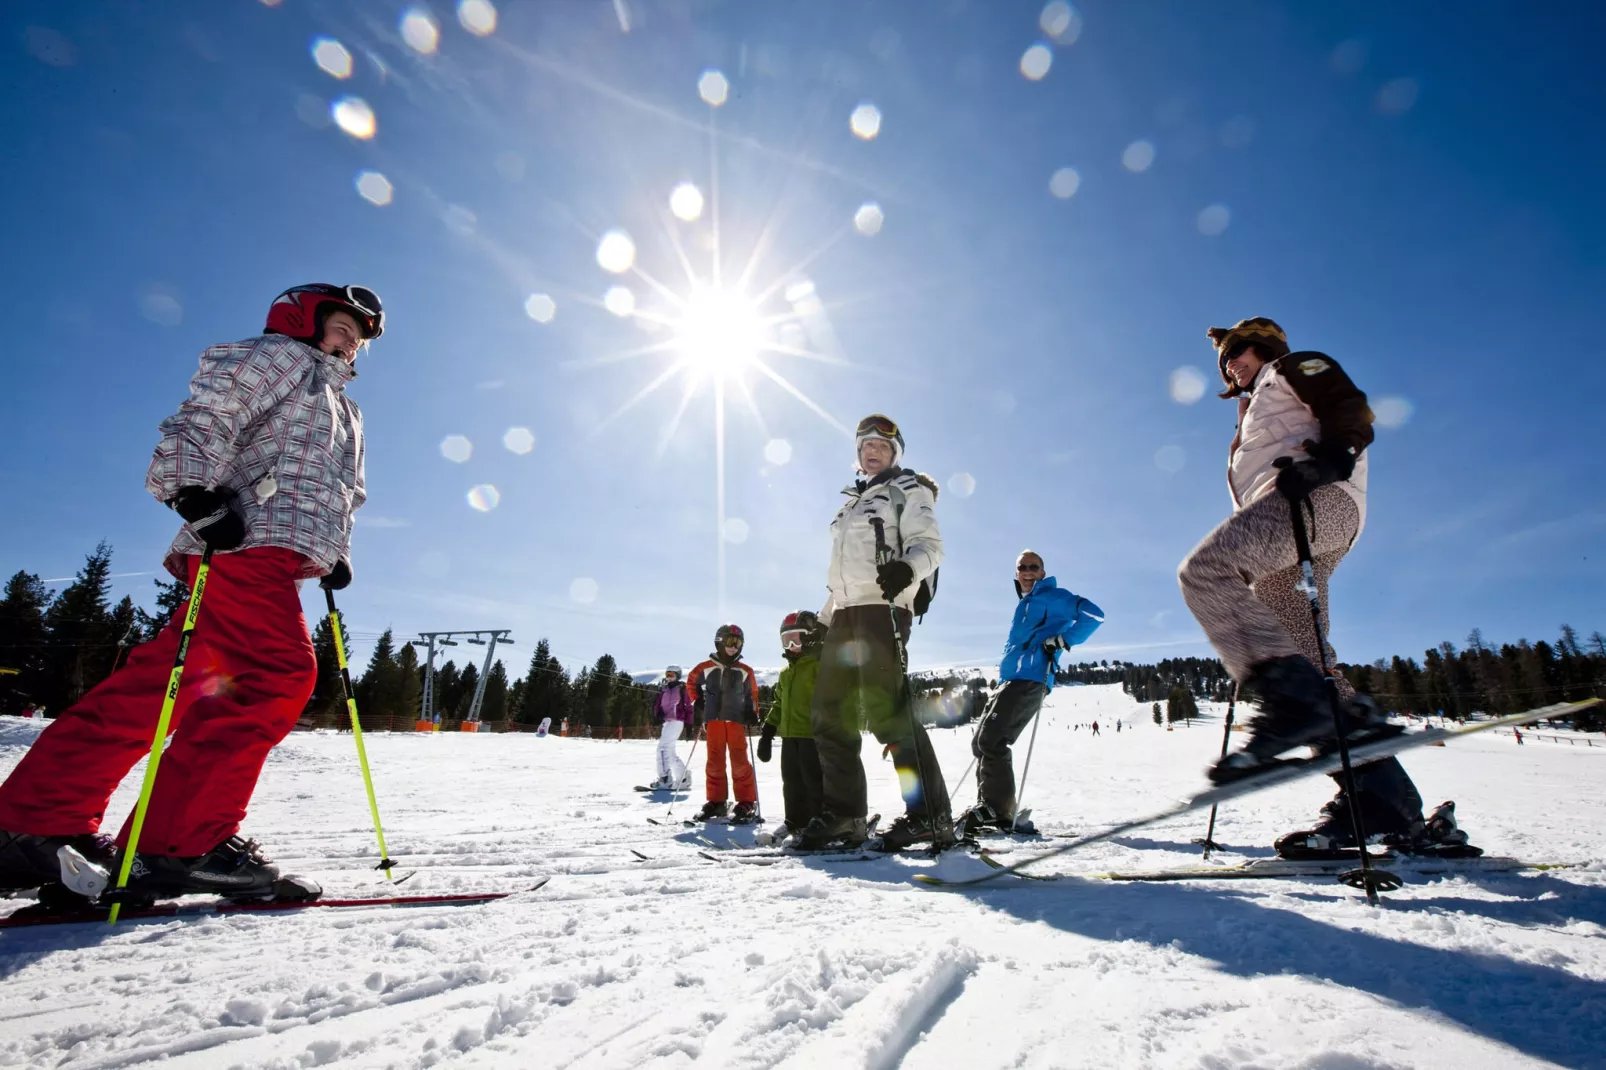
column 1323, row 465
column 213, row 515
column 894, row 578
column 766, row 743
column 337, row 578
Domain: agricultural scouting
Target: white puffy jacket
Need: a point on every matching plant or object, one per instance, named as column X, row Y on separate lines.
column 905, row 504
column 1302, row 396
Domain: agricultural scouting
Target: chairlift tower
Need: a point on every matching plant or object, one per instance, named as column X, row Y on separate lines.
column 429, row 640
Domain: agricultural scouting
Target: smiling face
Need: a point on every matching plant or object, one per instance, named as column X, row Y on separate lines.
column 1244, row 366
column 875, row 454
column 341, row 335
column 1028, row 570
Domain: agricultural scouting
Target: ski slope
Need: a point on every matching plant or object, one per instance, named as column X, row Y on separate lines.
column 672, row 960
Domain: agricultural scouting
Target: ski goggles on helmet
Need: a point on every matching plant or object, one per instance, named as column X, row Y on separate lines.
column 878, row 425
column 359, row 299
column 794, row 639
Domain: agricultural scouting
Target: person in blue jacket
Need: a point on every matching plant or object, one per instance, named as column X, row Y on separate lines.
column 1048, row 619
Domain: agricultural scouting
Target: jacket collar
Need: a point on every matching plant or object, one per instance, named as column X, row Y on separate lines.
column 859, row 486
column 335, row 370
column 1046, row 583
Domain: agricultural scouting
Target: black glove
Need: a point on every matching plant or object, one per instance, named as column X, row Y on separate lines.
column 1053, row 643
column 894, row 578
column 657, row 720
column 1323, row 465
column 213, row 515
column 338, row 578
column 766, row 743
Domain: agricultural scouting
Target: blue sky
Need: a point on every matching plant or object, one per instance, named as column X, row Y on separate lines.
column 1418, row 197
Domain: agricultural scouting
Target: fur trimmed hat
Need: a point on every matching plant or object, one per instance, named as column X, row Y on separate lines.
column 1268, row 339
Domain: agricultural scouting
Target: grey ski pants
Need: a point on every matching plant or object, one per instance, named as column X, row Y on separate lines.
column 1007, row 716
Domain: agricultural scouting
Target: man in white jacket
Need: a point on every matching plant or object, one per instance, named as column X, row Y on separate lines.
column 885, row 551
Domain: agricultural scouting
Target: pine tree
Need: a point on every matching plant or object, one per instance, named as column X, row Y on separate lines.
column 411, row 699
column 327, row 701
column 600, row 690
column 446, row 689
column 1179, row 704
column 493, row 707
column 78, row 622
column 124, row 625
column 22, row 640
column 1157, row 719
column 172, row 596
column 462, row 695
column 544, row 687
column 380, row 689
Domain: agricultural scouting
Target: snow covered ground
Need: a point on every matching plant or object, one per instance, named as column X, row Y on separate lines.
column 674, row 960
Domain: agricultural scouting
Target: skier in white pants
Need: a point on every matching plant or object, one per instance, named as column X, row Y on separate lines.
column 671, row 709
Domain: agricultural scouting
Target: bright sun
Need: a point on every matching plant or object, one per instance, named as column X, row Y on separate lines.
column 719, row 331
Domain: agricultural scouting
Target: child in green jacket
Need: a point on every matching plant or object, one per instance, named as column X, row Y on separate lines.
column 802, row 636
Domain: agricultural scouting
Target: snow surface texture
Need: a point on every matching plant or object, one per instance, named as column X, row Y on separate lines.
column 679, row 961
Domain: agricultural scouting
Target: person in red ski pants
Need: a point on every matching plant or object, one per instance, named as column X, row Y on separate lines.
column 265, row 464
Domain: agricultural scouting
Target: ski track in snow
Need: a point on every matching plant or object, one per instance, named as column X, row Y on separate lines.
column 677, row 961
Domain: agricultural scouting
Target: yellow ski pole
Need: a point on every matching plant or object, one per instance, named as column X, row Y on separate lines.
column 356, row 731
column 162, row 722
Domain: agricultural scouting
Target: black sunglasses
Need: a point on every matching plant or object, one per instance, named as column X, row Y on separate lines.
column 1028, row 568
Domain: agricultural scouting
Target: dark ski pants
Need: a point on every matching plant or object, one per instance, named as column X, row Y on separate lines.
column 249, row 673
column 1007, row 716
column 1389, row 800
column 801, row 785
column 861, row 685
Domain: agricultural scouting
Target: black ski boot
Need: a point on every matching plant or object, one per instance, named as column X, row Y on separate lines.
column 1437, row 836
column 712, row 810
column 1295, row 710
column 234, row 869
column 828, row 830
column 981, row 819
column 746, row 813
column 1364, row 722
column 911, row 829
column 78, row 865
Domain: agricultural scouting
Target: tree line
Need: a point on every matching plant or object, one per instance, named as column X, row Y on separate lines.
column 55, row 646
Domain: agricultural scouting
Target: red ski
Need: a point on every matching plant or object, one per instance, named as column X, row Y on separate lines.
column 34, row 916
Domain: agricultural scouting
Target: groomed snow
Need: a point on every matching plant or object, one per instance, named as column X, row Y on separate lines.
column 674, row 960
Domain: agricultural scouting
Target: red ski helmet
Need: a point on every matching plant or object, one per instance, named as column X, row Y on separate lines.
column 729, row 633
column 299, row 312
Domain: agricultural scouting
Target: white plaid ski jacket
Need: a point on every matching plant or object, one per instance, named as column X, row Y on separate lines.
column 268, row 407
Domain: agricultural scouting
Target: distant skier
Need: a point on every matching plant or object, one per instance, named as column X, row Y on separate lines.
column 1240, row 581
column 671, row 713
column 1095, row 728
column 862, row 667
column 724, row 695
column 264, row 462
column 802, row 637
column 1048, row 619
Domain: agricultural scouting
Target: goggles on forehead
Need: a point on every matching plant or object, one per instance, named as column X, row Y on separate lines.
column 878, row 425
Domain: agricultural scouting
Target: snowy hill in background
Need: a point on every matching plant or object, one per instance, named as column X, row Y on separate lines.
column 641, row 953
